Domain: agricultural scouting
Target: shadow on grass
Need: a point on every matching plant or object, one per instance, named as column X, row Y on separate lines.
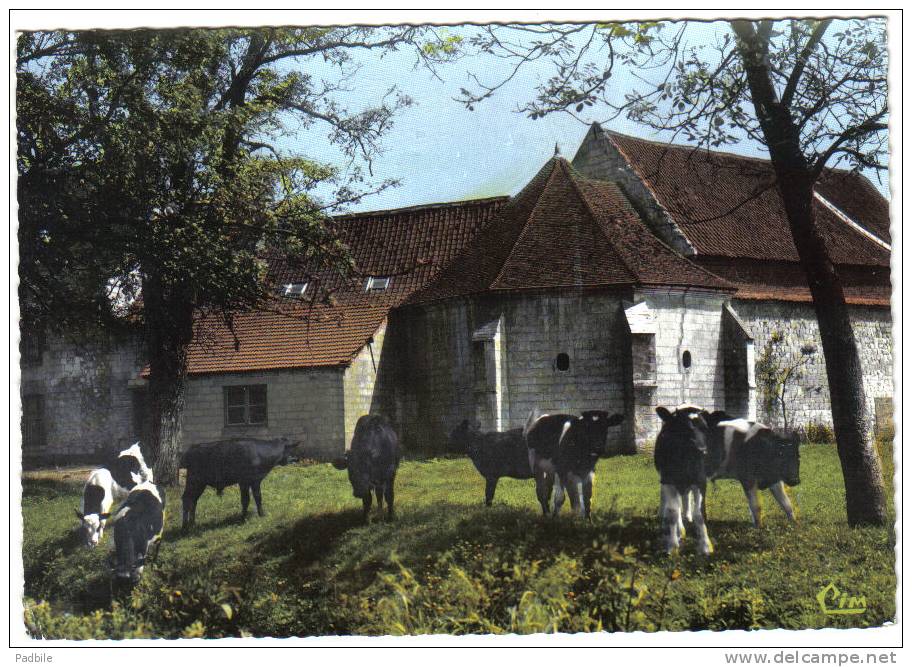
column 48, row 489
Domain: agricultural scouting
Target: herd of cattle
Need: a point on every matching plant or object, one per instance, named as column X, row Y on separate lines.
column 559, row 451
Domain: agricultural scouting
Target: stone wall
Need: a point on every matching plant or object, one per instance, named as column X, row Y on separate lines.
column 686, row 321
column 798, row 325
column 87, row 399
column 359, row 383
column 586, row 326
column 305, row 405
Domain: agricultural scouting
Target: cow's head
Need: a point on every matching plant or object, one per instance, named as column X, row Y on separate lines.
column 786, row 460
column 464, row 438
column 290, row 452
column 91, row 527
column 358, row 472
column 130, row 549
column 686, row 429
column 593, row 430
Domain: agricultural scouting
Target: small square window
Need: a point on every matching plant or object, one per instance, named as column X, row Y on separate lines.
column 245, row 405
column 377, row 283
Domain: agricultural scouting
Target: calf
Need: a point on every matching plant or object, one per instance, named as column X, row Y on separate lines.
column 241, row 461
column 755, row 456
column 372, row 461
column 680, row 459
column 494, row 454
column 563, row 451
column 138, row 525
column 129, row 468
column 98, row 495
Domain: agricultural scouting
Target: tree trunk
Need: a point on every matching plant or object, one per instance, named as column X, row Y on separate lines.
column 169, row 331
column 861, row 467
column 861, row 470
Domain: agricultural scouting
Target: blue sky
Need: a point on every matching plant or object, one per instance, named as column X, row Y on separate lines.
column 442, row 152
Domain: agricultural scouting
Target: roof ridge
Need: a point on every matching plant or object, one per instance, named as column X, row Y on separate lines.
column 594, row 221
column 525, row 225
column 423, row 207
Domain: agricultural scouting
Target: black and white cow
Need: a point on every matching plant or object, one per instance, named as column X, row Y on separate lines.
column 494, row 454
column 241, row 461
column 563, row 451
column 756, row 456
column 695, row 445
column 98, row 496
column 372, row 461
column 129, row 467
column 138, row 525
column 680, row 459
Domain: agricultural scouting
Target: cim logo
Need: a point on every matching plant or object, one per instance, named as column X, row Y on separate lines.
column 834, row 601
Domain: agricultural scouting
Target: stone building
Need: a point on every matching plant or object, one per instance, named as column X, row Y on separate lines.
column 640, row 274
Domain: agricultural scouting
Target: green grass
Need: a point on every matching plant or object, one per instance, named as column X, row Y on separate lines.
column 449, row 564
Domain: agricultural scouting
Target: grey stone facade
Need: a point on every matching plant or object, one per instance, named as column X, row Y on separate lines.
column 798, row 325
column 88, row 398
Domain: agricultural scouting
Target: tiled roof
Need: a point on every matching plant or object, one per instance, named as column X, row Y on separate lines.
column 785, row 281
column 563, row 230
column 410, row 244
column 727, row 205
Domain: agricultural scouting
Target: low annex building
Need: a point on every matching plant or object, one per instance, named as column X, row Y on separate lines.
column 639, row 274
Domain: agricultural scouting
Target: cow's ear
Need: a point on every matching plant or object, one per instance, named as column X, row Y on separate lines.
column 104, row 517
column 340, row 463
column 78, row 515
column 615, row 419
column 663, row 413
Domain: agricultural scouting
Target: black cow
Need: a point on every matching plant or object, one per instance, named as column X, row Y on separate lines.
column 494, row 454
column 680, row 459
column 372, row 461
column 755, row 456
column 563, row 451
column 241, row 461
column 138, row 525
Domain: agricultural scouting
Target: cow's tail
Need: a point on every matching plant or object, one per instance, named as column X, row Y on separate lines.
column 529, row 423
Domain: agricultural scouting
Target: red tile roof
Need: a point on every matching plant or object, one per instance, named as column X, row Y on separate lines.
column 563, row 230
column 785, row 281
column 727, row 205
column 410, row 244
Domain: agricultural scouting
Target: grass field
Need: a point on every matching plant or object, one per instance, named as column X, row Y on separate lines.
column 447, row 564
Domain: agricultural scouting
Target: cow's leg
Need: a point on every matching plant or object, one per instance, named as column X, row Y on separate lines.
column 378, row 491
column 704, row 544
column 490, row 488
column 367, row 500
column 192, row 492
column 543, row 489
column 558, row 493
column 258, row 497
column 671, row 516
column 587, row 494
column 245, row 500
column 389, row 500
column 753, row 501
column 779, row 493
column 688, row 509
column 575, row 491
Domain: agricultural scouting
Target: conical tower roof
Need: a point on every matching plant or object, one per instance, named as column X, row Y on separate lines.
column 563, row 231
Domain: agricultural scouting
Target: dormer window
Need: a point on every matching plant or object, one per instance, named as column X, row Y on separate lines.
column 377, row 283
column 293, row 290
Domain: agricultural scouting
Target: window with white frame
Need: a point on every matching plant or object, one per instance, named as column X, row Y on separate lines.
column 245, row 405
column 292, row 290
column 377, row 283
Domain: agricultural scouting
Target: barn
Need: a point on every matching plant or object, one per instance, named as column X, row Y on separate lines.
column 636, row 274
